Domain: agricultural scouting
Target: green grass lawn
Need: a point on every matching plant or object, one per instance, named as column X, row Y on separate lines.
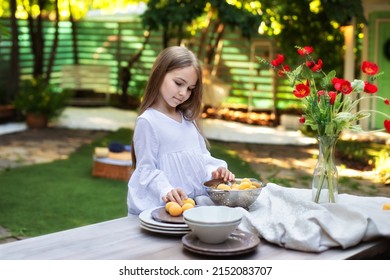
column 45, row 198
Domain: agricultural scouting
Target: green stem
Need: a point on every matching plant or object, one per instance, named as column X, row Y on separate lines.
column 319, row 188
column 327, row 145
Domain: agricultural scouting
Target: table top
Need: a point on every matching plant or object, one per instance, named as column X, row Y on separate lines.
column 123, row 239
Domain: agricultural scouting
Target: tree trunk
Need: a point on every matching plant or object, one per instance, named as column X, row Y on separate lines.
column 213, row 43
column 37, row 39
column 165, row 37
column 74, row 36
column 55, row 43
column 14, row 73
column 126, row 71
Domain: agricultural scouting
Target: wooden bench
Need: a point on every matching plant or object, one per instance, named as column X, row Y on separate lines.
column 91, row 83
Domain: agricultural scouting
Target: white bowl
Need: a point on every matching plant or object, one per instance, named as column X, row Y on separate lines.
column 212, row 233
column 212, row 215
column 212, row 224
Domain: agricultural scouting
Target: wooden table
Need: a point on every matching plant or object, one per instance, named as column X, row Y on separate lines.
column 123, row 239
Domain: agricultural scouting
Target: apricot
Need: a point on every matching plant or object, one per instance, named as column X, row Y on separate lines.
column 189, row 200
column 245, row 185
column 187, row 206
column 223, row 187
column 175, row 210
column 168, row 205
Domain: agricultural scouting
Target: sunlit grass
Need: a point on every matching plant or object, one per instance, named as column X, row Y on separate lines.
column 55, row 196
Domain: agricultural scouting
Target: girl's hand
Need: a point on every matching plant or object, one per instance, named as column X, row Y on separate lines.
column 223, row 173
column 176, row 195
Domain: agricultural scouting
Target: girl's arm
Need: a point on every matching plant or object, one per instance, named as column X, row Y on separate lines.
column 147, row 185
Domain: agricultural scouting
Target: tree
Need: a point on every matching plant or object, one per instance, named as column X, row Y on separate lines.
column 172, row 17
column 315, row 23
column 55, row 42
column 14, row 63
column 177, row 18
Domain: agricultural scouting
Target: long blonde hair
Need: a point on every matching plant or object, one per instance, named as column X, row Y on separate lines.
column 169, row 59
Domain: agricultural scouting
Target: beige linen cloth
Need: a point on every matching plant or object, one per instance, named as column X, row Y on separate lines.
column 288, row 217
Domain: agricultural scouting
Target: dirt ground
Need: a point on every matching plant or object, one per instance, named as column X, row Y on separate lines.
column 291, row 166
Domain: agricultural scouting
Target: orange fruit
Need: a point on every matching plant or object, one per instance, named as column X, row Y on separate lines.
column 245, row 185
column 246, row 180
column 175, row 210
column 189, row 200
column 223, row 187
column 168, row 205
column 187, row 206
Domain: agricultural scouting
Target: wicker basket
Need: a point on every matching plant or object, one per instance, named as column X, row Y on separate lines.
column 111, row 171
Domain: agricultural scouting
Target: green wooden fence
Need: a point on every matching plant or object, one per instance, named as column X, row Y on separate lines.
column 112, row 43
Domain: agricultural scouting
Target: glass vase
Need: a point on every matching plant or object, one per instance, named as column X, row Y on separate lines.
column 325, row 176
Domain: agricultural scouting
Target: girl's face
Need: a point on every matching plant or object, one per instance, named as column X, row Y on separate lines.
column 177, row 87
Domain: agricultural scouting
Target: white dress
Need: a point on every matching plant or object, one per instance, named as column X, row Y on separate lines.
column 169, row 154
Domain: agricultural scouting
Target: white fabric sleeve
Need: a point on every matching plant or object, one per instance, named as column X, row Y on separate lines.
column 147, row 184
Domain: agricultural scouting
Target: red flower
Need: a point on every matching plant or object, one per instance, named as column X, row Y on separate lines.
column 342, row 85
column 282, row 72
column 332, row 96
column 346, row 87
column 319, row 93
column 370, row 88
column 369, row 68
column 310, row 63
column 317, row 67
column 302, row 119
column 278, row 60
column 305, row 50
column 337, row 82
column 386, row 123
column 387, row 102
column 302, row 90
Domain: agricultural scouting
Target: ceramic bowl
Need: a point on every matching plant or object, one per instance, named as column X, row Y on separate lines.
column 212, row 224
column 233, row 198
column 212, row 215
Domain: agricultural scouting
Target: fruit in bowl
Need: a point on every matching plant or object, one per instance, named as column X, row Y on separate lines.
column 212, row 224
column 239, row 193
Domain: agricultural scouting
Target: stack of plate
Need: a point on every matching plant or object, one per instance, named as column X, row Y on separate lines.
column 157, row 220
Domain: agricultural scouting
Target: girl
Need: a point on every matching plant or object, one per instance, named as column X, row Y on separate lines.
column 170, row 156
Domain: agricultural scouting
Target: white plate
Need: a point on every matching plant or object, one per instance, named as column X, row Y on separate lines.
column 169, row 232
column 166, row 228
column 146, row 218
